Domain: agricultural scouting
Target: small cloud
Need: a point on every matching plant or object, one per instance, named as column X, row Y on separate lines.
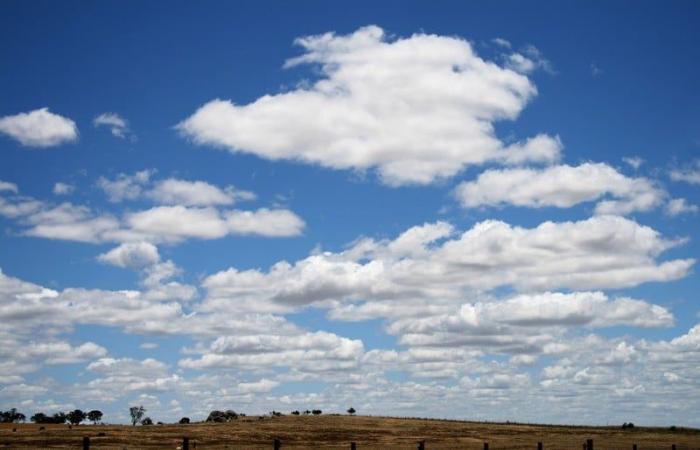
column 148, row 345
column 39, row 128
column 595, row 70
column 501, row 42
column 117, row 125
column 6, row 186
column 63, row 188
column 634, row 162
column 689, row 174
column 680, row 206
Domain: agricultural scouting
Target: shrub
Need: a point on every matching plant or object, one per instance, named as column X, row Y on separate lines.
column 184, row 420
column 316, row 412
column 147, row 421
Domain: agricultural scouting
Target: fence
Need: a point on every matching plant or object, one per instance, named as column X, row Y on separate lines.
column 420, row 445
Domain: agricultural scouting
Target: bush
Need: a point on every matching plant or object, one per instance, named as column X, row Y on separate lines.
column 147, row 421
column 295, row 413
column 626, row 425
column 184, row 420
column 351, row 411
column 221, row 416
column 316, row 412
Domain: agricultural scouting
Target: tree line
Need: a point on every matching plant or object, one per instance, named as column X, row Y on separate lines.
column 137, row 413
column 75, row 417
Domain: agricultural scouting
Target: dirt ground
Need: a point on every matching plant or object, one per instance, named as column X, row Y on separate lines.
column 337, row 432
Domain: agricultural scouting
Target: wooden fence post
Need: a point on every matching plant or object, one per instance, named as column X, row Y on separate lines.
column 673, row 446
column 634, row 446
column 185, row 443
column 539, row 446
column 277, row 444
column 353, row 446
column 486, row 446
column 589, row 444
column 421, row 445
column 86, row 443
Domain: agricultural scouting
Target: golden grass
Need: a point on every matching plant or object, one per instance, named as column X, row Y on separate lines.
column 336, row 432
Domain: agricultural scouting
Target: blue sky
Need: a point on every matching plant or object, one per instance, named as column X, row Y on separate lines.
column 439, row 210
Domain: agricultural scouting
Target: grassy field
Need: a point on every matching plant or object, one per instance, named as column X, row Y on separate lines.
column 338, row 431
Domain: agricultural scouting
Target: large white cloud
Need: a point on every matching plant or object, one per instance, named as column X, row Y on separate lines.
column 562, row 186
column 429, row 262
column 39, row 128
column 416, row 108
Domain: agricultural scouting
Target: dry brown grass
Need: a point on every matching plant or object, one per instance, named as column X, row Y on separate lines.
column 338, row 431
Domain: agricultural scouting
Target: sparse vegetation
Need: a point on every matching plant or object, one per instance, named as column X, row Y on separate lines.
column 330, row 430
column 351, row 411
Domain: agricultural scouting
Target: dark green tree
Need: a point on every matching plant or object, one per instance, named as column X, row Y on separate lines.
column 94, row 416
column 136, row 413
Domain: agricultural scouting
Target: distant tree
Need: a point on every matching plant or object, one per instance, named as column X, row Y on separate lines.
column 59, row 417
column 94, row 416
column 351, row 411
column 316, row 412
column 136, row 413
column 12, row 416
column 147, row 421
column 39, row 417
column 184, row 420
column 307, row 412
column 295, row 413
column 76, row 416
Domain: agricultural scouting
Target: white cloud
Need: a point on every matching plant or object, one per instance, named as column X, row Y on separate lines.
column 265, row 222
column 159, row 224
column 117, row 125
column 416, row 109
column 180, row 222
column 134, row 255
column 634, row 162
column 6, row 186
column 39, row 128
column 195, row 193
column 125, row 187
column 428, row 264
column 678, row 206
column 561, row 186
column 61, row 188
column 501, row 42
column 689, row 174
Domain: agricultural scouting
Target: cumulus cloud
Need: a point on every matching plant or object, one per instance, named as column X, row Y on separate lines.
column 416, row 109
column 39, row 128
column 134, row 255
column 116, row 124
column 125, row 187
column 159, row 224
column 195, row 193
column 428, row 263
column 562, row 186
